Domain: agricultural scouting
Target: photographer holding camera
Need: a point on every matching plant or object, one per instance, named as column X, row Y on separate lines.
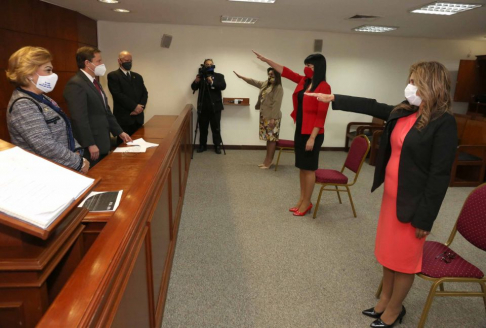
column 209, row 104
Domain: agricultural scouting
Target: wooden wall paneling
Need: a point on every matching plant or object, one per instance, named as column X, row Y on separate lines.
column 28, row 16
column 59, row 276
column 12, row 314
column 61, row 23
column 28, row 305
column 175, row 171
column 134, row 303
column 160, row 233
column 87, row 30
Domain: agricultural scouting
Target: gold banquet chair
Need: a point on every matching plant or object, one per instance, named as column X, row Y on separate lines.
column 284, row 146
column 440, row 264
column 354, row 161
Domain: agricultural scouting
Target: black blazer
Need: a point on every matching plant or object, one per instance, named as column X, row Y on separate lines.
column 91, row 116
column 425, row 161
column 219, row 84
column 127, row 94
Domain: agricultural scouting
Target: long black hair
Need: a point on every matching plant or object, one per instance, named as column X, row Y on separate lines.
column 320, row 67
column 278, row 77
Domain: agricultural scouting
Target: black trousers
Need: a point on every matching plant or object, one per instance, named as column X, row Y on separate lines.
column 207, row 118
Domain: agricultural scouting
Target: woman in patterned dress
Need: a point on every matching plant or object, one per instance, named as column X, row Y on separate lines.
column 415, row 158
column 269, row 103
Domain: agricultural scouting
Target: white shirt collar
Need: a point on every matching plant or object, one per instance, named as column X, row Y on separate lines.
column 89, row 76
column 124, row 72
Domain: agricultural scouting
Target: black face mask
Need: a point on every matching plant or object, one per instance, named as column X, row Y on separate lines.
column 127, row 66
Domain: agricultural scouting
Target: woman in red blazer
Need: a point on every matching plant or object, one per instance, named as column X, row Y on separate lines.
column 309, row 116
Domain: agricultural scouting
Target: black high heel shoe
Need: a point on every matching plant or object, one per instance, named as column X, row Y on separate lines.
column 378, row 323
column 371, row 313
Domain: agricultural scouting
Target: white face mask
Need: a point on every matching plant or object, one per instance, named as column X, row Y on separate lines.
column 46, row 83
column 99, row 70
column 411, row 95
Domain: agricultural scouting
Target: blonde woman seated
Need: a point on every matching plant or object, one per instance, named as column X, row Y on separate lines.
column 35, row 122
column 269, row 103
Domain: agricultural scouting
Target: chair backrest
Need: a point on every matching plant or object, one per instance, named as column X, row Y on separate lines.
column 471, row 223
column 357, row 153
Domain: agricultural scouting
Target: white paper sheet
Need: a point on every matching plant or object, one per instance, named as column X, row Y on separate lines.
column 35, row 190
column 136, row 146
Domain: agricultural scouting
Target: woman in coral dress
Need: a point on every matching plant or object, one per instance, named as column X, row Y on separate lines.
column 415, row 158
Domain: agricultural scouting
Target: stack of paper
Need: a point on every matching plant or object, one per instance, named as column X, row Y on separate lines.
column 136, row 146
column 35, row 190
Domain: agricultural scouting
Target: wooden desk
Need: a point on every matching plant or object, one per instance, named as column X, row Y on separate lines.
column 122, row 280
column 35, row 263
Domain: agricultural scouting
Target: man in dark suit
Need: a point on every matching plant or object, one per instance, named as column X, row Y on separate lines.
column 129, row 94
column 91, row 116
column 209, row 105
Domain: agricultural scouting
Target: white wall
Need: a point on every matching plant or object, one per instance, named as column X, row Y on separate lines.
column 360, row 65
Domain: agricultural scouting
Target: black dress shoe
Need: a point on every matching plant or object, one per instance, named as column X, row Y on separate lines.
column 217, row 149
column 371, row 313
column 202, row 148
column 378, row 323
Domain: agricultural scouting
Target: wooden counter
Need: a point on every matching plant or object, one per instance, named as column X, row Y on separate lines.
column 123, row 278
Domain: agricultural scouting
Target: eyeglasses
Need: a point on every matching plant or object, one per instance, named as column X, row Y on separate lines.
column 447, row 256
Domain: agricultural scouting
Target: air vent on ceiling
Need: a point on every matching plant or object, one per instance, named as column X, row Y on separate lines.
column 363, row 17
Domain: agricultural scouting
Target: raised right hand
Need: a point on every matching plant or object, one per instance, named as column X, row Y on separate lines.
column 263, row 59
column 238, row 75
column 94, row 151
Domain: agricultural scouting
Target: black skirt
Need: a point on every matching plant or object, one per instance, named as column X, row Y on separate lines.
column 305, row 160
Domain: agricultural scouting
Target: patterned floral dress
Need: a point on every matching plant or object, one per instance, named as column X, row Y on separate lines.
column 266, row 132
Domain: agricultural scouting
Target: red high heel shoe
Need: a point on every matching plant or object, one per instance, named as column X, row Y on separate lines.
column 293, row 209
column 297, row 213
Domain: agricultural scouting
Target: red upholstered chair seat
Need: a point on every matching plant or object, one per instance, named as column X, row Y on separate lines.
column 330, row 176
column 285, row 143
column 433, row 266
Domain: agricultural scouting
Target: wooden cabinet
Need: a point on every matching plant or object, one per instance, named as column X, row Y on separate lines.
column 471, row 85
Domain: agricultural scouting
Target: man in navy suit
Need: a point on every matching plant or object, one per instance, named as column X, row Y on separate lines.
column 129, row 94
column 91, row 117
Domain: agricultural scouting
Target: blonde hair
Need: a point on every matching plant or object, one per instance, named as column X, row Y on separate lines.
column 433, row 82
column 25, row 62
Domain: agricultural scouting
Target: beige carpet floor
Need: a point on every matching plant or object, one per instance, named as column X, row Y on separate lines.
column 242, row 260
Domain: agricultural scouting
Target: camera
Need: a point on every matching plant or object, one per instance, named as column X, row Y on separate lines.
column 204, row 71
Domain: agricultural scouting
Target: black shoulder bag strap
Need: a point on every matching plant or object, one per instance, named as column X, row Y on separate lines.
column 38, row 106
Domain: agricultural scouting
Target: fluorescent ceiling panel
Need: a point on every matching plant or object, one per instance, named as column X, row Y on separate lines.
column 445, row 8
column 374, row 29
column 238, row 20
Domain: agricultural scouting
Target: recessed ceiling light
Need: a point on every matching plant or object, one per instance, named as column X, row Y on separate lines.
column 445, row 8
column 238, row 20
column 121, row 10
column 257, row 1
column 109, row 1
column 374, row 29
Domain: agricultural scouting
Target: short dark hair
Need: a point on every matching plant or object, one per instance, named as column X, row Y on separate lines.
column 278, row 77
column 85, row 53
column 320, row 67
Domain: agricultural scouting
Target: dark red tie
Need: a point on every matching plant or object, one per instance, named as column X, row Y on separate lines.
column 97, row 85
